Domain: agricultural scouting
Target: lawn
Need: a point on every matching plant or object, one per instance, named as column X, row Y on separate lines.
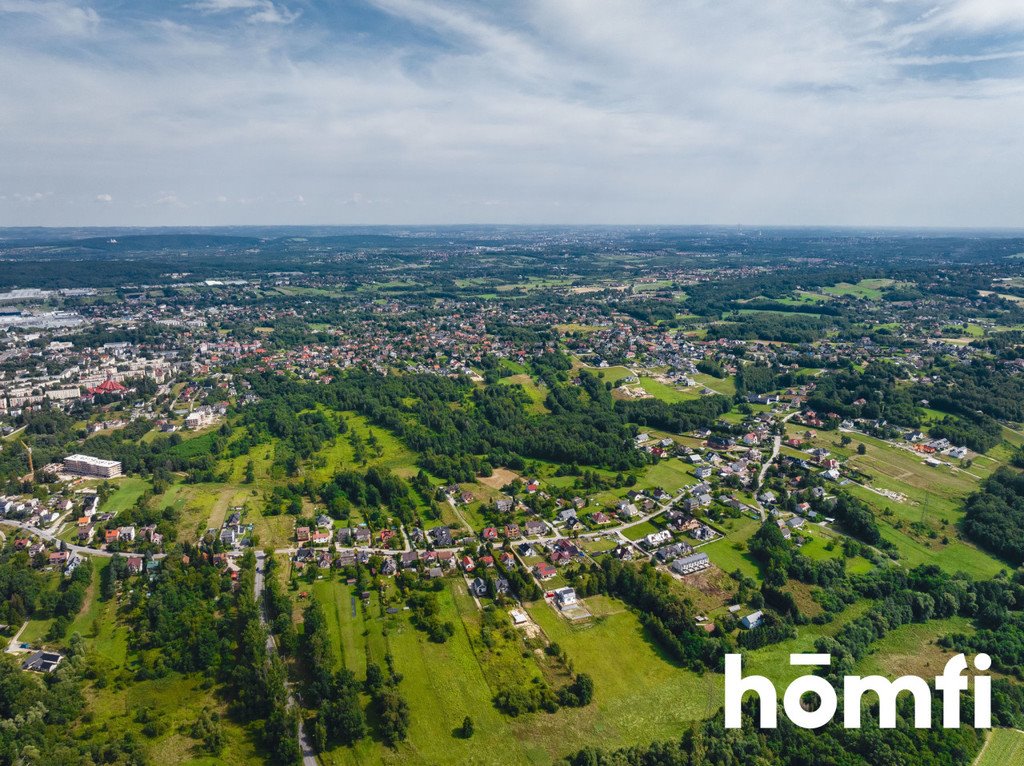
column 726, row 556
column 669, row 393
column 129, row 489
column 640, row 530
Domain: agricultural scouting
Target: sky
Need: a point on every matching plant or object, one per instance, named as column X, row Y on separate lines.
column 787, row 112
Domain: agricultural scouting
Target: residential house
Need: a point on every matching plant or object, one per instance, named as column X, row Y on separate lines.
column 544, row 571
column 565, row 597
column 752, row 620
column 690, row 564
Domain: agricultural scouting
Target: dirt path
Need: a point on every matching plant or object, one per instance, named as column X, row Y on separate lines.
column 984, row 747
column 12, row 647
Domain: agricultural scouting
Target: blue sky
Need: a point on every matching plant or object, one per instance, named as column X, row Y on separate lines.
column 860, row 112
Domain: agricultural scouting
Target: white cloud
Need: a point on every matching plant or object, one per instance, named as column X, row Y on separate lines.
column 104, row 198
column 257, row 11
column 984, row 14
column 59, row 16
column 567, row 110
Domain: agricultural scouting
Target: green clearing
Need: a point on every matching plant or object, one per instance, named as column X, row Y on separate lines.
column 929, row 510
column 176, row 701
column 724, row 552
column 98, row 621
column 129, row 489
column 115, row 700
column 390, row 452
column 533, row 390
column 348, row 631
column 670, row 474
column 817, row 547
column 912, row 649
column 871, row 289
column 1004, row 747
column 638, row 700
column 193, row 445
column 442, row 683
column 639, row 695
column 773, row 661
column 725, row 386
column 669, row 393
column 613, row 374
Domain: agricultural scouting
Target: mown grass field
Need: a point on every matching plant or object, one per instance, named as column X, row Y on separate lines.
column 1004, row 747
column 129, row 489
column 669, row 393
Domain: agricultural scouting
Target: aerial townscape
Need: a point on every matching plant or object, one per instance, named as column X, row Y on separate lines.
column 482, row 495
column 544, row 383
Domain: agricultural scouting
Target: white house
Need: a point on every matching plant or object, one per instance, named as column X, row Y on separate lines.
column 565, row 597
column 752, row 620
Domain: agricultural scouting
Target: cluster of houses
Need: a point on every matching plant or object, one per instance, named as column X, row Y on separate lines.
column 34, row 512
column 232, row 533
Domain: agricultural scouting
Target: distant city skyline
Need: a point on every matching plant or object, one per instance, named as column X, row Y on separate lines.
column 407, row 112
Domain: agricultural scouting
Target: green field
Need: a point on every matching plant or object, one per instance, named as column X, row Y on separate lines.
column 533, row 390
column 724, row 552
column 644, row 698
column 725, row 386
column 1004, row 747
column 931, row 504
column 669, row 393
column 129, row 489
column 390, row 453
column 870, row 289
column 912, row 649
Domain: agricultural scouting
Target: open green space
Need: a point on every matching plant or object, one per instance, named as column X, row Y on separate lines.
column 1004, row 747
column 536, row 393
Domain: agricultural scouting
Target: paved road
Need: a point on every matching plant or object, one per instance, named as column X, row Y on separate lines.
column 79, row 549
column 44, row 534
column 308, row 755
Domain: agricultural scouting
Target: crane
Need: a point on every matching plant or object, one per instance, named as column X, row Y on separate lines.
column 31, row 467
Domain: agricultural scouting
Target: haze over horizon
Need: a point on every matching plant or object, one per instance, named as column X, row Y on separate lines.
column 406, row 112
